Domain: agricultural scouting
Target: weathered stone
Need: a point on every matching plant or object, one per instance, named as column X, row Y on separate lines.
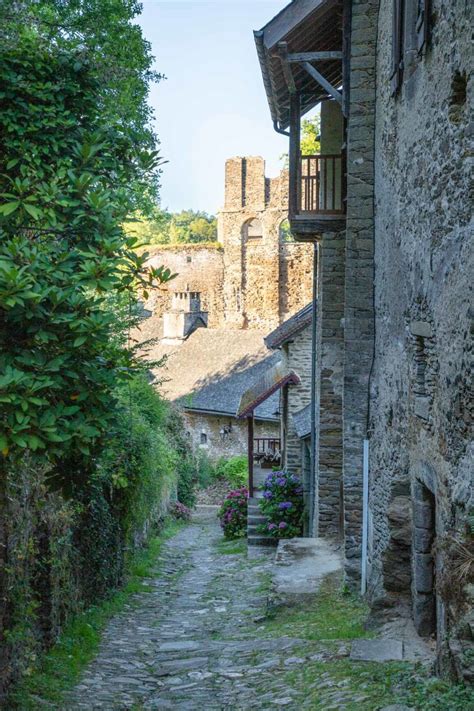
column 376, row 650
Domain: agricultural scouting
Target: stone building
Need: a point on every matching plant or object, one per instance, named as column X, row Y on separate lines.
column 389, row 209
column 205, row 375
column 255, row 277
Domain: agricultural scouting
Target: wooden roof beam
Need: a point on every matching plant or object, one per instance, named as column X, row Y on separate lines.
column 322, row 81
column 298, row 57
column 287, row 73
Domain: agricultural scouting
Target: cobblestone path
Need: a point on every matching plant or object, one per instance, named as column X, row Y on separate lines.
column 192, row 642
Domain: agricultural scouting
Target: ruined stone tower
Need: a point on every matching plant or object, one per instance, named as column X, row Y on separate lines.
column 266, row 277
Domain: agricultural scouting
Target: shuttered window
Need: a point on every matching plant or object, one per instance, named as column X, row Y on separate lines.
column 422, row 24
column 397, row 46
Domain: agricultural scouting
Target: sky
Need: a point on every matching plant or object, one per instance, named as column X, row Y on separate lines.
column 212, row 105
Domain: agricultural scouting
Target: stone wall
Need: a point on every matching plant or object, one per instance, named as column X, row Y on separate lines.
column 252, row 279
column 421, row 421
column 359, row 307
column 329, row 373
column 235, row 442
column 297, row 356
column 199, row 269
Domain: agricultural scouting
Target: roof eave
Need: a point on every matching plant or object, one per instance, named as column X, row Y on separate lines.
column 266, row 73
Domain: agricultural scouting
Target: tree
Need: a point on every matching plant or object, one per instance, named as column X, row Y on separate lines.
column 72, row 168
column 310, row 131
column 182, row 227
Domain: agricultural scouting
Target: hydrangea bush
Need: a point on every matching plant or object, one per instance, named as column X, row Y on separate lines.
column 282, row 504
column 233, row 513
column 180, row 512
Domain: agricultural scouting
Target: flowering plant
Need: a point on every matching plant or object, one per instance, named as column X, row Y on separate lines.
column 180, row 511
column 282, row 504
column 233, row 513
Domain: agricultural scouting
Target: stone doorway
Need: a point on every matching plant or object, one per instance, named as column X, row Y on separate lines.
column 424, row 568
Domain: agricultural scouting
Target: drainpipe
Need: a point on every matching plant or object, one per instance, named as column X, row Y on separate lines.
column 365, row 517
column 313, row 491
column 280, row 130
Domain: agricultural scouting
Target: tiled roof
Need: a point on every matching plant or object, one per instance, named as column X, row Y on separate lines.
column 270, row 381
column 211, row 369
column 290, row 328
column 302, row 422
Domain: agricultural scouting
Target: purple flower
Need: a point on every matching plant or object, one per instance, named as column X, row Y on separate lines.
column 282, row 524
column 280, row 481
column 267, row 494
column 285, row 505
column 271, row 526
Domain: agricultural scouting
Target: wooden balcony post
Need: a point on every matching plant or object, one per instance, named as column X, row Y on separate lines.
column 250, row 452
column 294, row 198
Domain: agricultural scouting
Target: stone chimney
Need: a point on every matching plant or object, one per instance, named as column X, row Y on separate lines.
column 184, row 317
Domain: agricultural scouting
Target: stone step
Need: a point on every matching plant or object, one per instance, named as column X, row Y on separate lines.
column 256, row 519
column 255, row 524
column 262, row 541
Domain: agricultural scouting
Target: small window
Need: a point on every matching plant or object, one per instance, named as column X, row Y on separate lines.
column 253, row 229
column 189, row 259
column 203, row 438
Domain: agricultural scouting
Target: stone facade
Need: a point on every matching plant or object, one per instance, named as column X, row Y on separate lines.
column 253, row 278
column 224, row 436
column 296, row 355
column 266, row 279
column 394, row 344
column 421, row 418
column 199, row 269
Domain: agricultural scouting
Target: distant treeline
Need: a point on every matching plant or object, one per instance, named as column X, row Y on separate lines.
column 175, row 228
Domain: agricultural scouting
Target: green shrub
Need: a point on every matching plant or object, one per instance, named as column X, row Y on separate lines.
column 282, row 504
column 234, row 470
column 233, row 513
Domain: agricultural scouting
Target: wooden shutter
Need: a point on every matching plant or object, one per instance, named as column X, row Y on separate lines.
column 397, row 46
column 422, row 24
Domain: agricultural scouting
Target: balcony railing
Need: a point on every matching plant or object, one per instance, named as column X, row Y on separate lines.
column 322, row 179
column 267, row 451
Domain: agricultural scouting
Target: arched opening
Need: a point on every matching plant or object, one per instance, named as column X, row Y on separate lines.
column 285, row 234
column 253, row 229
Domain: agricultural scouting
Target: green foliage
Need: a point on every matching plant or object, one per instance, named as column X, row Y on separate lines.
column 70, row 172
column 59, row 669
column 234, row 470
column 185, row 461
column 208, row 471
column 282, row 504
column 329, row 614
column 185, row 227
column 233, row 513
column 310, row 131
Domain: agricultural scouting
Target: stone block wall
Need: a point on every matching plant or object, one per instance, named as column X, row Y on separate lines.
column 235, row 443
column 265, row 280
column 421, row 413
column 251, row 279
column 329, row 373
column 297, row 356
column 359, row 306
column 199, row 269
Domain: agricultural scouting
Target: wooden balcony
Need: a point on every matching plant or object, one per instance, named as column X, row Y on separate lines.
column 317, row 196
column 267, row 452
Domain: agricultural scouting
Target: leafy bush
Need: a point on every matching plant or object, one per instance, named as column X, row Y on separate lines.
column 282, row 504
column 234, row 470
column 233, row 513
column 180, row 511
